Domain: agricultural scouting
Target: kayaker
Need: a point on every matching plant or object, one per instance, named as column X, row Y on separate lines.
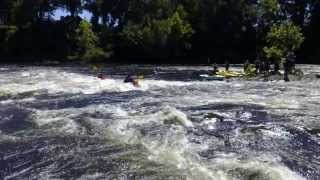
column 262, row 67
column 130, row 79
column 101, row 76
column 215, row 69
column 291, row 62
column 267, row 67
column 227, row 65
column 276, row 67
column 257, row 65
column 246, row 65
column 286, row 67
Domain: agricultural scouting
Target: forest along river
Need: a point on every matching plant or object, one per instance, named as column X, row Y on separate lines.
column 64, row 123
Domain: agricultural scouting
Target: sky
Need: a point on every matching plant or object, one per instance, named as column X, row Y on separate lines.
column 62, row 12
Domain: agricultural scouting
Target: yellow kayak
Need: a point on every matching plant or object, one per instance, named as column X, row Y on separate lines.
column 140, row 77
column 229, row 74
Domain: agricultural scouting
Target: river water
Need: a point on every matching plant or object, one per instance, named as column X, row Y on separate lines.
column 64, row 123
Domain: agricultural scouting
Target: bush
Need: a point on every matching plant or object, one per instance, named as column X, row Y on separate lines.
column 87, row 44
column 282, row 39
column 7, row 33
column 161, row 37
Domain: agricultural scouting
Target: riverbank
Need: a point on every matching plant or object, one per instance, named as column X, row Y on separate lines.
column 150, row 70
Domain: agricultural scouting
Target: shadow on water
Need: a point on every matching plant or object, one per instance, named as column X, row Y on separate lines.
column 64, row 157
column 14, row 119
column 56, row 102
column 73, row 157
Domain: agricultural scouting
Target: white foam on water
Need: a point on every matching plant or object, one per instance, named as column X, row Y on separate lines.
column 246, row 115
column 5, row 137
column 66, row 117
column 276, row 132
column 172, row 115
column 57, row 82
column 66, row 123
column 25, row 74
column 173, row 151
column 17, row 174
column 265, row 167
column 210, row 124
column 92, row 176
column 177, row 152
column 4, row 69
column 14, row 101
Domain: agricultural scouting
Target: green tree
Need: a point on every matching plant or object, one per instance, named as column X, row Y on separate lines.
column 266, row 16
column 7, row 34
column 86, row 42
column 282, row 39
column 158, row 29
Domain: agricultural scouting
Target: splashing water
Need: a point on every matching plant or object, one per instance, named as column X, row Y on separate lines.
column 64, row 123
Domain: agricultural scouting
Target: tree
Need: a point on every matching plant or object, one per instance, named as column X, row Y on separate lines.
column 73, row 6
column 266, row 16
column 167, row 29
column 310, row 51
column 86, row 42
column 159, row 34
column 7, row 34
column 282, row 39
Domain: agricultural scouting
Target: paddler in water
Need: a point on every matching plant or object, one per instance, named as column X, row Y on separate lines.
column 130, row 79
column 101, row 76
column 97, row 69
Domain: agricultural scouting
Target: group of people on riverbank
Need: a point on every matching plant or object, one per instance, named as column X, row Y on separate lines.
column 260, row 67
column 264, row 67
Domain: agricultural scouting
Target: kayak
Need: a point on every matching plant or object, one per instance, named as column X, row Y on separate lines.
column 229, row 74
column 140, row 77
column 211, row 78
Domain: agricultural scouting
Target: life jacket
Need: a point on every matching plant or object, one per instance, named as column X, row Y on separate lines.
column 129, row 79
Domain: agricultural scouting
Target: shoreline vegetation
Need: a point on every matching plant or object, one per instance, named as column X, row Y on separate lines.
column 160, row 31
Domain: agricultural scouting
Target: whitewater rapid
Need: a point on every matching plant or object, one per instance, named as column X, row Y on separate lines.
column 65, row 123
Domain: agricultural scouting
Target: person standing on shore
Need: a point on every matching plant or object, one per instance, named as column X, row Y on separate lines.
column 257, row 65
column 291, row 61
column 246, row 66
column 267, row 67
column 215, row 69
column 286, row 67
column 227, row 65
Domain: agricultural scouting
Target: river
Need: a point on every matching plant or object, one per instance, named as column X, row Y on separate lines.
column 65, row 123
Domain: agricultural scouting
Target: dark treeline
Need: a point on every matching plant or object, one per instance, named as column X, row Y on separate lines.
column 161, row 31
